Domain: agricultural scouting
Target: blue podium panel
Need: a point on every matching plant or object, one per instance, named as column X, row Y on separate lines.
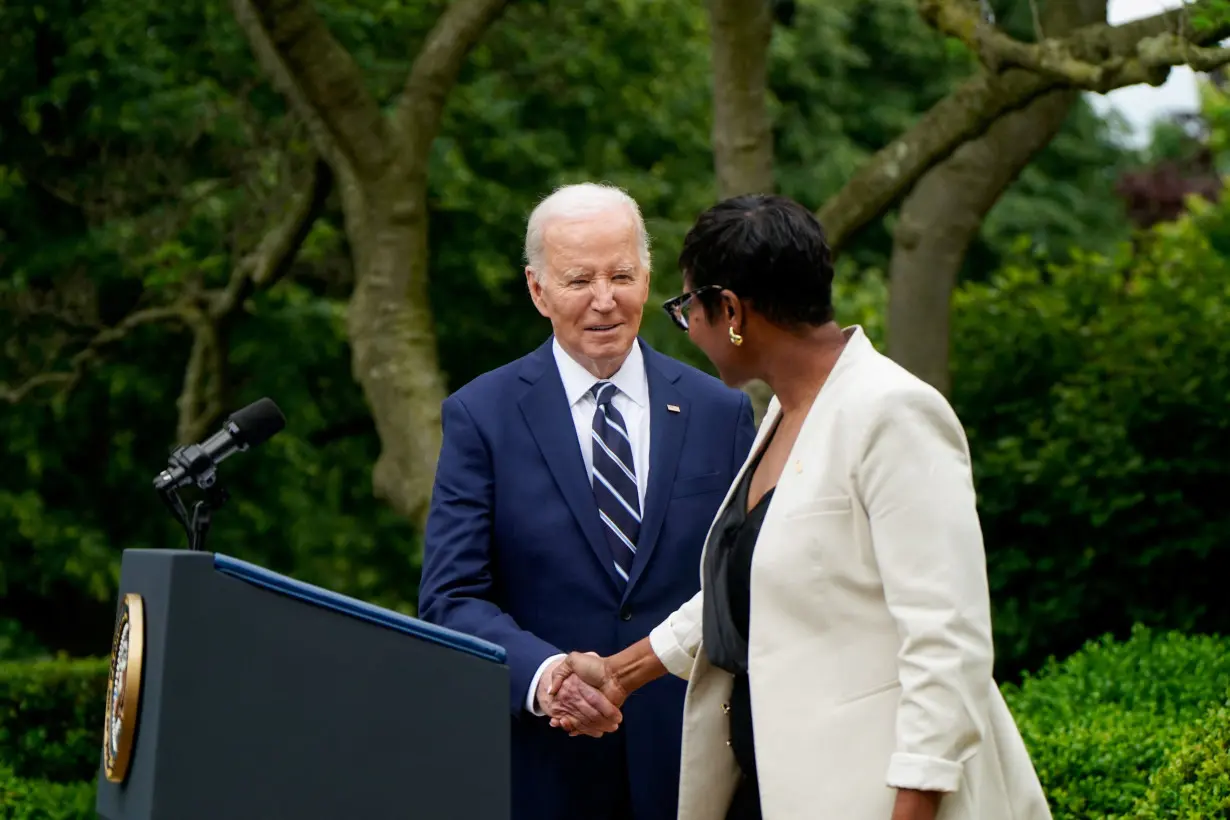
column 355, row 608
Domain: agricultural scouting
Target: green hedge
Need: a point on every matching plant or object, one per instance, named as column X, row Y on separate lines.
column 1117, row 730
column 1195, row 783
column 22, row 799
column 1101, row 722
column 52, row 718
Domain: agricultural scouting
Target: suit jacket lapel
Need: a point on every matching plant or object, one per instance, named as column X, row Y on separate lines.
column 666, row 429
column 546, row 411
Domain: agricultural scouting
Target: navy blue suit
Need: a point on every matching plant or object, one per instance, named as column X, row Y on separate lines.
column 515, row 553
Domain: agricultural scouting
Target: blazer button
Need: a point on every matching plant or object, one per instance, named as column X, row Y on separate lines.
column 625, row 614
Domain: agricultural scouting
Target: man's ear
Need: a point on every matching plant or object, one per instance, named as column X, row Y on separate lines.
column 535, row 288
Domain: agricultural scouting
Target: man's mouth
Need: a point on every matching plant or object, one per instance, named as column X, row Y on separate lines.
column 601, row 328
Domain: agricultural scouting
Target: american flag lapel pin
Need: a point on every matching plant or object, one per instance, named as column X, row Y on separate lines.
column 674, row 408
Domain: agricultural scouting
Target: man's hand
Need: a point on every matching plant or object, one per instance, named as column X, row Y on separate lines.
column 575, row 705
column 594, row 674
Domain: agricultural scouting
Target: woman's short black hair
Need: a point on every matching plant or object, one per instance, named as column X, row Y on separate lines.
column 769, row 250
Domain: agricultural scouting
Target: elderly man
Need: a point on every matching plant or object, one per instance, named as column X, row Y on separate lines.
column 574, row 491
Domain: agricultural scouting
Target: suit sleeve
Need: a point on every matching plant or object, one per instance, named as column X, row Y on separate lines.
column 457, row 590
column 917, row 487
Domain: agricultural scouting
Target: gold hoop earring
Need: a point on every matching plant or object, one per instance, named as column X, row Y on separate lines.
column 735, row 338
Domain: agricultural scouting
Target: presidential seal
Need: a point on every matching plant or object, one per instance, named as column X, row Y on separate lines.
column 124, row 688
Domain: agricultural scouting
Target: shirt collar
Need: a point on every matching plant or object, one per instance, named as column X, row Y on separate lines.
column 629, row 379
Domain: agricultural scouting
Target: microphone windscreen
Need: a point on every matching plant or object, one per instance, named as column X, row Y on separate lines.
column 258, row 422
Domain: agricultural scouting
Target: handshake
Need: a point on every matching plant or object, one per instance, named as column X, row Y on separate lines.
column 582, row 695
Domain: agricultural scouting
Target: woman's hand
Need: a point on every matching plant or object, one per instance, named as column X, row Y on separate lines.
column 594, row 671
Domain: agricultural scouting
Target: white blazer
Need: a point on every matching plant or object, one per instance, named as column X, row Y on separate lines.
column 870, row 648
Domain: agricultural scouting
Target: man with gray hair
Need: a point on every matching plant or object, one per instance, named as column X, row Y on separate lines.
column 573, row 494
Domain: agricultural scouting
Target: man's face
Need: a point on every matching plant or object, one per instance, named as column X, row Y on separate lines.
column 593, row 288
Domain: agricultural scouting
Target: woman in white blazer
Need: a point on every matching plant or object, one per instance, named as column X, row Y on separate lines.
column 844, row 599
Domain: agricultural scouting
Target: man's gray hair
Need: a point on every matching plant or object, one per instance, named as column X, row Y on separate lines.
column 578, row 201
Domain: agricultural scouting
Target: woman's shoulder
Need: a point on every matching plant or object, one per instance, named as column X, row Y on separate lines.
column 881, row 389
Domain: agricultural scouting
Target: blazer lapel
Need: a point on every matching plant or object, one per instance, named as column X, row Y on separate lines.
column 857, row 347
column 666, row 429
column 546, row 411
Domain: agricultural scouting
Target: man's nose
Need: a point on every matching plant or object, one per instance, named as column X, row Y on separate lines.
column 603, row 295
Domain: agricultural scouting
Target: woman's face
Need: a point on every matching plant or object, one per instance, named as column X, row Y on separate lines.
column 713, row 338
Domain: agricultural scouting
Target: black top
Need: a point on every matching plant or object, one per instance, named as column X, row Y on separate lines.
column 728, row 572
column 728, row 575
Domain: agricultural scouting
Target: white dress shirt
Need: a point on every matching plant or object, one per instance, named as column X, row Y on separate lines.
column 632, row 401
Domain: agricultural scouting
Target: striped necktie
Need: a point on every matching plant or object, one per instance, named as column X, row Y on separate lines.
column 614, row 479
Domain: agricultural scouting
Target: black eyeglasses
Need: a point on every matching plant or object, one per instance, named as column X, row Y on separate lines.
column 677, row 307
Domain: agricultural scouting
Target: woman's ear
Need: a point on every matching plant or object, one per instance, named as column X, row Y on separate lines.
column 733, row 307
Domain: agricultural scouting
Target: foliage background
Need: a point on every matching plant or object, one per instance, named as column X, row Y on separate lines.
column 142, row 154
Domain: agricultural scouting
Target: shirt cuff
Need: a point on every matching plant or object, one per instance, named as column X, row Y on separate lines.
column 673, row 656
column 531, row 697
column 928, row 774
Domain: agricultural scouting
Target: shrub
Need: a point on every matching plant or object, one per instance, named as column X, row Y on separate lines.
column 1195, row 783
column 52, row 717
column 1094, row 397
column 1101, row 722
column 22, row 799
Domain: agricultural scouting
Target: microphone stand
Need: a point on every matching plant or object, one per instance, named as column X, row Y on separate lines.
column 196, row 525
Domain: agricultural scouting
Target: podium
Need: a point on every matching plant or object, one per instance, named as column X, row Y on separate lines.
column 237, row 693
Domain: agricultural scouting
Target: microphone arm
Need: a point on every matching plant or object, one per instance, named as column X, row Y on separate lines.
column 198, row 464
column 196, row 524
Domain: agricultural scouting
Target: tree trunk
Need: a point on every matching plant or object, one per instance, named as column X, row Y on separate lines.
column 945, row 210
column 392, row 337
column 742, row 131
column 380, row 164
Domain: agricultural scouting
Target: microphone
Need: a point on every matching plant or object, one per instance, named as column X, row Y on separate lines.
column 195, row 463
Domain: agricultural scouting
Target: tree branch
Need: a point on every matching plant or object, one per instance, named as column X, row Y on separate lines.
column 93, row 350
column 961, row 116
column 272, row 258
column 321, row 78
column 971, row 108
column 201, row 398
column 1096, row 58
column 435, row 71
column 207, row 314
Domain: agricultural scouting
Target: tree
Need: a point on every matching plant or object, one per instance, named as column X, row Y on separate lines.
column 961, row 155
column 742, row 128
column 945, row 209
column 1096, row 57
column 380, row 162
